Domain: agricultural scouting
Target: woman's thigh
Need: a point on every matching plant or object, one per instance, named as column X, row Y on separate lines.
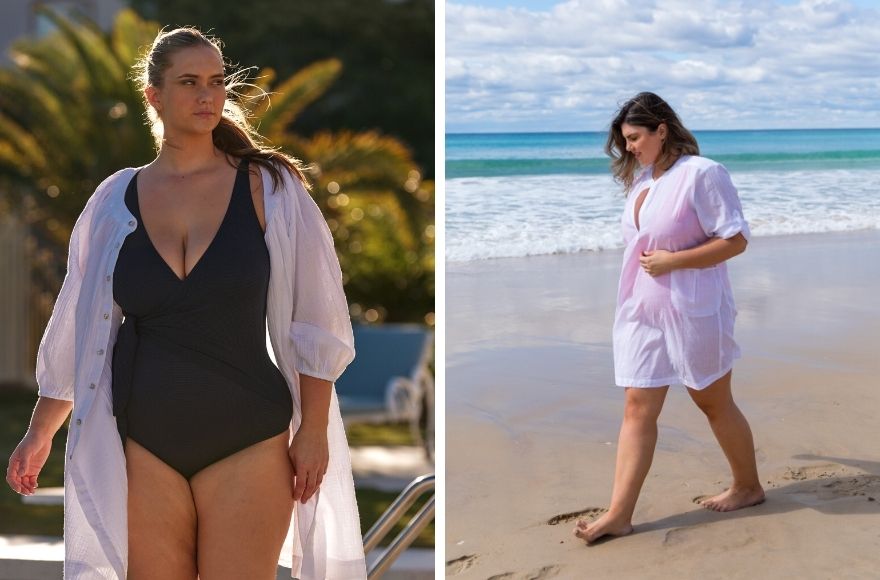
column 161, row 519
column 244, row 503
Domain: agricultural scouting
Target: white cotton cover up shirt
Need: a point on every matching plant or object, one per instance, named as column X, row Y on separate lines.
column 310, row 333
column 677, row 327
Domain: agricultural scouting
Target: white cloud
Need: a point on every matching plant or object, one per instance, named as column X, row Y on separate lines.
column 726, row 64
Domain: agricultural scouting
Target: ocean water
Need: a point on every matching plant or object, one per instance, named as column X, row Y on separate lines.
column 522, row 194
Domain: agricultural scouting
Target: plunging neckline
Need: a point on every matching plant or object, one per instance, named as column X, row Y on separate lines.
column 637, row 208
column 187, row 275
column 641, row 198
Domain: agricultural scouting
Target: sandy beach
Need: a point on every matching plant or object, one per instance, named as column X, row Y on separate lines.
column 533, row 414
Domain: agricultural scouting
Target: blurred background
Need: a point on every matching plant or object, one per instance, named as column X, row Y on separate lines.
column 352, row 93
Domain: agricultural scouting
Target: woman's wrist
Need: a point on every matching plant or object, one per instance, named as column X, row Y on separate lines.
column 677, row 260
column 316, row 424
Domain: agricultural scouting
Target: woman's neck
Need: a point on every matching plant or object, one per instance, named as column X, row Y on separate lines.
column 186, row 157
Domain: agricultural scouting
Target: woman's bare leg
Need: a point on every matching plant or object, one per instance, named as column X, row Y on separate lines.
column 635, row 451
column 244, row 503
column 735, row 437
column 161, row 519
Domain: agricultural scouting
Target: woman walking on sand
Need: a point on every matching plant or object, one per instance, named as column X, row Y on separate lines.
column 190, row 454
column 675, row 311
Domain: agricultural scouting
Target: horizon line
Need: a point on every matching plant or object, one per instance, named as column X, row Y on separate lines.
column 702, row 130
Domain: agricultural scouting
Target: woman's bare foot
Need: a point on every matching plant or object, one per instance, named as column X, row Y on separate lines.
column 734, row 499
column 607, row 525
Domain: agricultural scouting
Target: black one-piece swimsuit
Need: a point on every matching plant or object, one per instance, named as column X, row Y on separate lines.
column 192, row 379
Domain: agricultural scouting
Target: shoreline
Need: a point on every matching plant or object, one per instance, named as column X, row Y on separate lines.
column 533, row 414
column 463, row 265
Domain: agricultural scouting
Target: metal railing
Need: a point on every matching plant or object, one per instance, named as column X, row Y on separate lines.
column 394, row 514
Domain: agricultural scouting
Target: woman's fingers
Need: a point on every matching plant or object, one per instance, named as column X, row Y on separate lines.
column 299, row 485
column 17, row 477
column 12, row 476
column 307, row 482
column 310, row 486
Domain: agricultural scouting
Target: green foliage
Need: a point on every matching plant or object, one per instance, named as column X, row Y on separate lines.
column 387, row 434
column 70, row 115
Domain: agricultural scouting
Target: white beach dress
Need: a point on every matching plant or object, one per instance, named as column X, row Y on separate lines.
column 677, row 327
column 310, row 333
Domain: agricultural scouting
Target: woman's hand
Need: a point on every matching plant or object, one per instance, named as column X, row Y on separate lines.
column 309, row 454
column 657, row 262
column 26, row 462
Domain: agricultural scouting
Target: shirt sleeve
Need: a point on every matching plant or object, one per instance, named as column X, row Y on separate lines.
column 717, row 204
column 55, row 366
column 321, row 327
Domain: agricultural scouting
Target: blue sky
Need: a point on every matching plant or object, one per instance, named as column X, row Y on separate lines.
column 543, row 65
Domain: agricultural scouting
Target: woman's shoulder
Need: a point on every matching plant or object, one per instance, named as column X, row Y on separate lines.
column 288, row 178
column 702, row 164
column 105, row 190
column 703, row 169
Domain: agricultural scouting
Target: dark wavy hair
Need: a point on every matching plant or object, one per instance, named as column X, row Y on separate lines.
column 234, row 135
column 647, row 110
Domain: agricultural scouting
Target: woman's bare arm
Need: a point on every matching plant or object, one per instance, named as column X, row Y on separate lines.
column 712, row 252
column 49, row 415
column 309, row 450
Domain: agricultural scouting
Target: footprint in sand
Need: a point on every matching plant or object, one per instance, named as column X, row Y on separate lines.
column 849, row 486
column 812, row 483
column 814, row 472
column 695, row 537
column 459, row 565
column 545, row 572
column 571, row 516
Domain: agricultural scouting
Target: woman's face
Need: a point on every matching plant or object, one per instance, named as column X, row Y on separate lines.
column 642, row 143
column 192, row 95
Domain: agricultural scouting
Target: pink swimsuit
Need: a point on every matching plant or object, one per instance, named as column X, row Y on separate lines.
column 678, row 327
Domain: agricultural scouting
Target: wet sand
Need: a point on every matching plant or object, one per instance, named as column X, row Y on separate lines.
column 532, row 419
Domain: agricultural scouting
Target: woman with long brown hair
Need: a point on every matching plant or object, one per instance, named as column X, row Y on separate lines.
column 191, row 454
column 675, row 311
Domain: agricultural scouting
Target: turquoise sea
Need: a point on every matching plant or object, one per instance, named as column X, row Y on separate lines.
column 519, row 194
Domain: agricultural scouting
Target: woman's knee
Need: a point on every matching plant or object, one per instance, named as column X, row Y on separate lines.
column 714, row 409
column 716, row 399
column 644, row 405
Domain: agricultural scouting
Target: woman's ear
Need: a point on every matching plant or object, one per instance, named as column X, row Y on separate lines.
column 662, row 129
column 152, row 95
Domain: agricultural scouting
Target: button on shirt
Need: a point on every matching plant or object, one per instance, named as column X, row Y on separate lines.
column 309, row 332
